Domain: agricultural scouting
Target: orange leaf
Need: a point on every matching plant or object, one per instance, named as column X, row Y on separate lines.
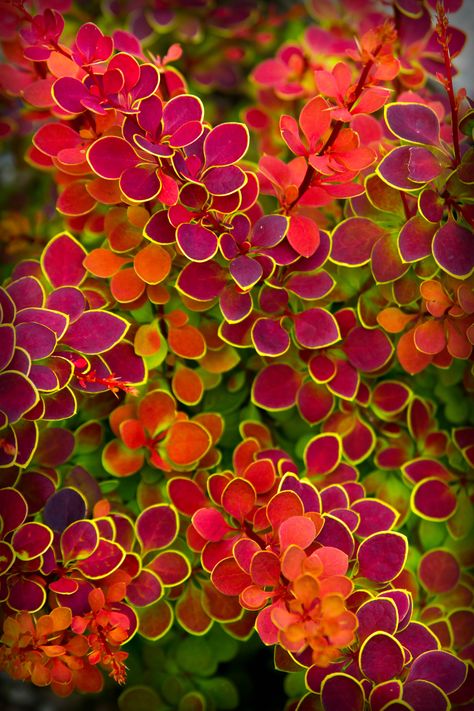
column 152, row 263
column 393, row 320
column 213, row 423
column 104, row 263
column 410, row 358
column 176, row 318
column 107, row 192
column 121, row 413
column 187, row 386
column 61, row 618
column 120, row 461
column 138, row 216
column 75, row 200
column 126, row 285
column 147, row 340
column 121, row 234
column 220, row 361
column 157, row 294
column 157, row 411
column 186, row 443
column 187, row 342
column 40, row 676
column 53, row 650
column 132, row 434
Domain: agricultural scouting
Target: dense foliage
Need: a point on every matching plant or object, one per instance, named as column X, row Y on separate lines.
column 236, row 352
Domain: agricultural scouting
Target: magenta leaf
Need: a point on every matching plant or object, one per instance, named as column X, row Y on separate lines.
column 79, row 541
column 26, row 595
column 382, row 556
column 95, row 332
column 140, row 183
column 224, row 180
column 202, row 282
column 267, row 396
column 110, row 156
column 316, row 328
column 17, row 395
column 415, row 238
column 226, row 144
column 336, row 687
column 322, row 454
column 367, row 349
column 315, row 402
column 62, row 261
column 353, row 241
column 381, row 657
column 375, row 615
column 145, row 589
column 394, row 168
column 311, row 286
column 269, row 230
column 157, row 527
column 31, row 540
column 106, row 558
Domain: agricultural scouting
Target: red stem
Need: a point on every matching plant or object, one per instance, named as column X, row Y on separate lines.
column 442, row 31
column 310, row 171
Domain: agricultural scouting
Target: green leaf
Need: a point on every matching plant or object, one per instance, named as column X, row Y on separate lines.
column 139, row 698
column 195, row 656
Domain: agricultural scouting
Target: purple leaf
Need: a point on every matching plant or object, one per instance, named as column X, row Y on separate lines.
column 415, row 123
column 235, row 305
column 269, row 337
column 224, row 180
column 394, row 168
column 269, row 230
column 180, row 110
column 440, row 668
column 453, row 250
column 198, row 243
column 423, row 165
column 311, row 286
column 245, row 271
column 63, row 508
column 67, row 299
column 17, row 395
column 140, row 183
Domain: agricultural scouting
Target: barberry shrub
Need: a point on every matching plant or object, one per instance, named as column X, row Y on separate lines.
column 237, row 326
